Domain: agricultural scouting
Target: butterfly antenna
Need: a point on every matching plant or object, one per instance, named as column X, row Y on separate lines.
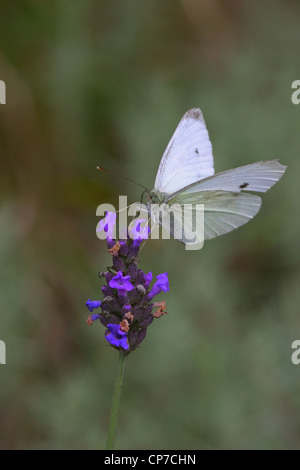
column 124, row 177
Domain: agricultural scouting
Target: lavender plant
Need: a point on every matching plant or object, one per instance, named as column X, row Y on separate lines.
column 127, row 308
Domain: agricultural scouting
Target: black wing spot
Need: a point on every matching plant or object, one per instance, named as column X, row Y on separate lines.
column 197, row 151
column 244, row 185
column 194, row 113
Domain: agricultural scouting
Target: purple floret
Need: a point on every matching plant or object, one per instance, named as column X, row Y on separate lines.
column 117, row 337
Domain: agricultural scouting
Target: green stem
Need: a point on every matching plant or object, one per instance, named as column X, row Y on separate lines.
column 115, row 404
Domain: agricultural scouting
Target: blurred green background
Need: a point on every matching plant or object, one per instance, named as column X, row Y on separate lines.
column 96, row 82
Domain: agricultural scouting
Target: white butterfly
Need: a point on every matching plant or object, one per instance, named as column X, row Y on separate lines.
column 186, row 176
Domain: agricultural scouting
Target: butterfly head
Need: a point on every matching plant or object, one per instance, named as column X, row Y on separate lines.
column 155, row 197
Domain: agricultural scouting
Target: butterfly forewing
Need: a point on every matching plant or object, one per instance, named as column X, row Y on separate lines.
column 259, row 177
column 188, row 157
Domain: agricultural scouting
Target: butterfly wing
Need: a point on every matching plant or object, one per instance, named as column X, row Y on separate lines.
column 188, row 157
column 223, row 212
column 192, row 234
column 259, row 176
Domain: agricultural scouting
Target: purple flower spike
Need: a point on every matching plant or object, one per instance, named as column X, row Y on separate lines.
column 162, row 284
column 107, row 224
column 92, row 304
column 127, row 308
column 121, row 283
column 117, row 337
column 138, row 232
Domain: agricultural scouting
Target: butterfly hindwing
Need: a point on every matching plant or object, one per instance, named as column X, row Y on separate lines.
column 223, row 211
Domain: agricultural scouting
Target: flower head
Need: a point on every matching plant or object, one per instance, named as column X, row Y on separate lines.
column 116, row 336
column 162, row 284
column 148, row 278
column 139, row 232
column 127, row 309
column 121, row 283
column 92, row 304
column 107, row 224
column 92, row 318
